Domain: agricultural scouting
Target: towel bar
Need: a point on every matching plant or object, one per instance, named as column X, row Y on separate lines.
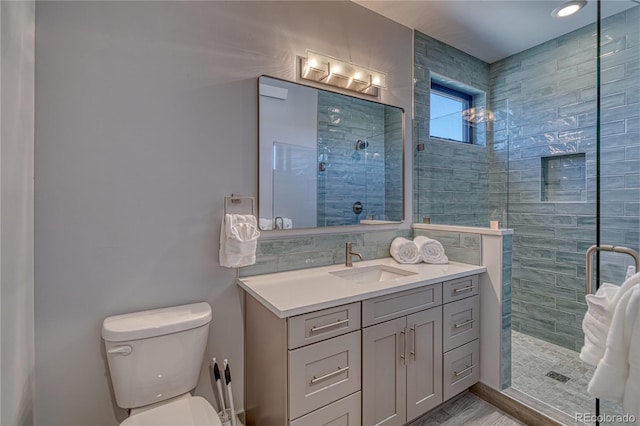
column 610, row 248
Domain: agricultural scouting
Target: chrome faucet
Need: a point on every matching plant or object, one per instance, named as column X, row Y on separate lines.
column 349, row 254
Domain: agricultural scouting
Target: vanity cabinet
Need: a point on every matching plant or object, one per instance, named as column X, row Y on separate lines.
column 303, row 370
column 402, row 358
column 381, row 361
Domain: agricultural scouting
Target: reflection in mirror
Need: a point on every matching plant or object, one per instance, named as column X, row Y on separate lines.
column 327, row 159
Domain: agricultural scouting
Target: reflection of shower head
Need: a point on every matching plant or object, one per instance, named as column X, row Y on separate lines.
column 361, row 144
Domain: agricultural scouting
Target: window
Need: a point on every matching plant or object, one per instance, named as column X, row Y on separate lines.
column 448, row 107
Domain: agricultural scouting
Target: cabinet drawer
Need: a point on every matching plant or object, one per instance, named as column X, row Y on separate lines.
column 321, row 325
column 345, row 412
column 461, row 322
column 396, row 305
column 461, row 368
column 322, row 373
column 459, row 289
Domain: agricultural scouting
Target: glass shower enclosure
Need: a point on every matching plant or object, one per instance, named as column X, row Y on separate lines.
column 559, row 163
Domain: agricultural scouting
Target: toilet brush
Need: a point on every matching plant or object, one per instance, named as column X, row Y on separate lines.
column 227, row 378
column 216, row 375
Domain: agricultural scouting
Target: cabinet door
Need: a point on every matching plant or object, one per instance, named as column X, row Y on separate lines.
column 384, row 381
column 424, row 363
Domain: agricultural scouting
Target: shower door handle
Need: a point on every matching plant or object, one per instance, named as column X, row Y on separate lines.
column 605, row 247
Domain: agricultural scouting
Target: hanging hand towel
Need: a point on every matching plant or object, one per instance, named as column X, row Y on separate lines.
column 404, row 251
column 238, row 240
column 431, row 251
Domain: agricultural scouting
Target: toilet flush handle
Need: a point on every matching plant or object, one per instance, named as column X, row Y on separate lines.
column 124, row 350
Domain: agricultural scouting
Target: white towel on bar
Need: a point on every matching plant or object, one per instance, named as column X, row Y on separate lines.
column 238, row 240
column 617, row 377
column 404, row 251
column 596, row 322
column 431, row 251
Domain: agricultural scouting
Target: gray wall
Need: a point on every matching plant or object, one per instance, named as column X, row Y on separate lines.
column 545, row 100
column 16, row 212
column 146, row 118
column 451, row 183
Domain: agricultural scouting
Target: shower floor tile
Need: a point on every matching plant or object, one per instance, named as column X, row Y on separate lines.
column 533, row 359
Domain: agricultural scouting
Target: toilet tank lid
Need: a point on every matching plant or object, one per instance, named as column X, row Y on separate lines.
column 156, row 322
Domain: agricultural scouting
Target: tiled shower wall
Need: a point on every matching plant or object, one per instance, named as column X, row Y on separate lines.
column 546, row 99
column 538, row 169
column 450, row 178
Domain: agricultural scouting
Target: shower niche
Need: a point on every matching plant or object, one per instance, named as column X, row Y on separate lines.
column 563, row 178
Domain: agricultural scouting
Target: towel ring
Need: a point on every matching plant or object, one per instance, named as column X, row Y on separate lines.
column 235, row 202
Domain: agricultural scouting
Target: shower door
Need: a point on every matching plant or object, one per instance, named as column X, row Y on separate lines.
column 618, row 174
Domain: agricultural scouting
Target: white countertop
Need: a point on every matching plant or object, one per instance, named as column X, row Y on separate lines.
column 306, row 290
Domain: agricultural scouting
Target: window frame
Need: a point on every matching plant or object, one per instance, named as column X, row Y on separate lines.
column 465, row 98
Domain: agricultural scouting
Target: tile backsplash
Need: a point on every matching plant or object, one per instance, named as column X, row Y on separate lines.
column 310, row 251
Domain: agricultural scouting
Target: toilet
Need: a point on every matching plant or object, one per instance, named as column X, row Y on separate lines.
column 155, row 358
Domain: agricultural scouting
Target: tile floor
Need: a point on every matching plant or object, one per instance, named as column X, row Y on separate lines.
column 466, row 409
column 533, row 359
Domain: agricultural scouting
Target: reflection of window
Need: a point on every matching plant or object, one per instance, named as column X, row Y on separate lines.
column 447, row 119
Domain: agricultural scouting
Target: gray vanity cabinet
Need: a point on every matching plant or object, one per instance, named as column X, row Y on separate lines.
column 382, row 361
column 402, row 359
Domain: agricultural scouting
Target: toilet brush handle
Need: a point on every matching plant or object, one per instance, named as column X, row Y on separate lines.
column 218, row 379
column 227, row 378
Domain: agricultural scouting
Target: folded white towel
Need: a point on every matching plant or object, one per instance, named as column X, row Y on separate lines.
column 617, row 376
column 595, row 324
column 404, row 251
column 238, row 240
column 431, row 251
column 266, row 224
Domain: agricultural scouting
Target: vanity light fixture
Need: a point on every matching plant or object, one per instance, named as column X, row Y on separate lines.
column 568, row 8
column 334, row 72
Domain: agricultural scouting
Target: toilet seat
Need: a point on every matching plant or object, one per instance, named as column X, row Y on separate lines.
column 192, row 411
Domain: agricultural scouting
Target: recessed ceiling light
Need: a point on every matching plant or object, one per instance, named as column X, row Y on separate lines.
column 568, row 8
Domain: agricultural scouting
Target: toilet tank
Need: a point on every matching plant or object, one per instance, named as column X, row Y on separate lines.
column 156, row 355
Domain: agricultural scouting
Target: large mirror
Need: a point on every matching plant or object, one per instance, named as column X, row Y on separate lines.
column 327, row 159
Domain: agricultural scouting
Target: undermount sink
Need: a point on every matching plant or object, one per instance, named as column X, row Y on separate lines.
column 373, row 273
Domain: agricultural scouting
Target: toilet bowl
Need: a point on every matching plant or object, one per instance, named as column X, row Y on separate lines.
column 154, row 359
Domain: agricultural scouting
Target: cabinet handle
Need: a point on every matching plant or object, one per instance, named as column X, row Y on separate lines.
column 461, row 372
column 463, row 289
column 333, row 324
column 403, row 355
column 413, row 352
column 326, row 376
column 462, row 324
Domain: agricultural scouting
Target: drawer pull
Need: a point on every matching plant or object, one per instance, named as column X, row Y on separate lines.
column 333, row 324
column 463, row 289
column 328, row 375
column 460, row 373
column 462, row 324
